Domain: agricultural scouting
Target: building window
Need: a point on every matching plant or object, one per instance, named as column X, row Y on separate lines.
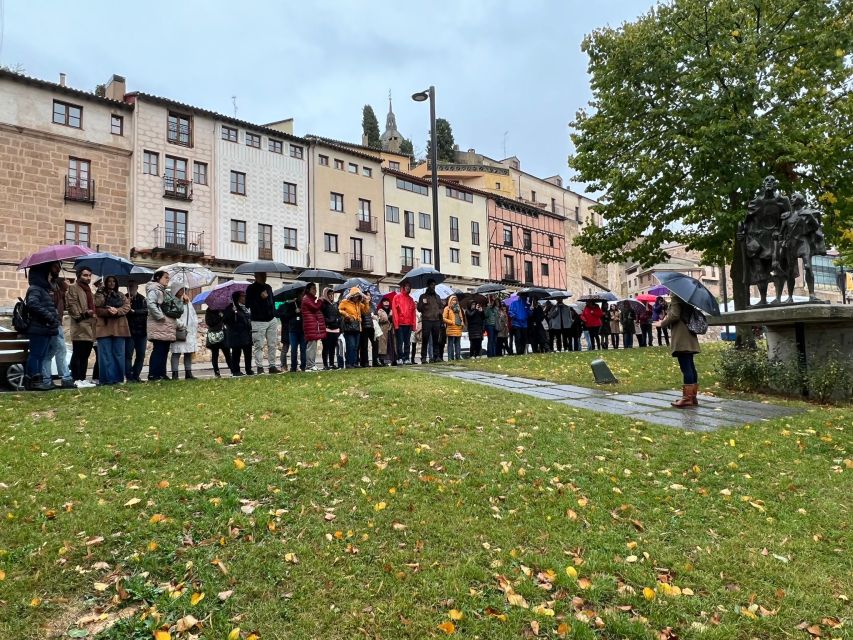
column 68, row 114
column 116, row 125
column 229, row 134
column 424, row 221
column 367, row 172
column 176, row 168
column 364, row 210
column 394, row 166
column 339, row 164
column 507, row 235
column 323, row 160
column 392, row 214
column 426, row 256
column 356, row 248
column 289, row 193
column 289, row 238
column 550, row 241
column 509, row 268
column 528, row 272
column 77, row 233
column 296, row 151
column 553, row 205
column 200, row 172
column 330, row 242
column 336, row 201
column 414, row 187
column 78, row 173
column 176, row 228
column 545, row 269
column 407, row 257
column 276, row 146
column 475, row 233
column 253, row 140
column 460, row 195
column 265, row 241
column 353, row 167
column 238, row 231
column 238, row 183
column 578, row 214
column 151, row 163
column 409, row 220
column 475, row 259
column 527, row 240
column 532, row 196
column 454, row 229
column 498, row 186
column 454, row 255
column 179, row 129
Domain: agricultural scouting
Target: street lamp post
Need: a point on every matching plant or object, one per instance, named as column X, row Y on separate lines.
column 429, row 94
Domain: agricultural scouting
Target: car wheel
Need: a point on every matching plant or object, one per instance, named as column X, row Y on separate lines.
column 14, row 377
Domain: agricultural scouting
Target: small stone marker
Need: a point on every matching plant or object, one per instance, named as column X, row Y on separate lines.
column 602, row 372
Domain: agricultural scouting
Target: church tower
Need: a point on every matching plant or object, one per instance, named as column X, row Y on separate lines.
column 391, row 138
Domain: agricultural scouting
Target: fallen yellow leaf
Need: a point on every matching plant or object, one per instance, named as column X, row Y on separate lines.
column 379, row 506
column 239, row 464
column 456, row 614
column 101, row 586
column 163, row 484
column 196, row 598
column 563, row 629
column 132, row 502
column 648, row 593
column 152, row 546
column 571, row 572
column 162, row 634
column 157, row 517
column 542, row 610
column 35, row 602
column 235, row 634
column 2, row 575
column 584, row 583
column 448, row 627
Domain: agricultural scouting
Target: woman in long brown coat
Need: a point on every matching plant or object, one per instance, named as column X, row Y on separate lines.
column 684, row 346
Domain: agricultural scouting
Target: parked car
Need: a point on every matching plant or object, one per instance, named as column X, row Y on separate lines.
column 13, row 356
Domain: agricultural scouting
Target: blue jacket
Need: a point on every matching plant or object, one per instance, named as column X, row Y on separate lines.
column 519, row 313
column 44, row 320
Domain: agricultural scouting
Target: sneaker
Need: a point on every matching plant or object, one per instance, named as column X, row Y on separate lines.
column 68, row 384
column 260, row 370
column 274, row 370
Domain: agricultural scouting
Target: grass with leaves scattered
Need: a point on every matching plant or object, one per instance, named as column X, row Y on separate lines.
column 396, row 504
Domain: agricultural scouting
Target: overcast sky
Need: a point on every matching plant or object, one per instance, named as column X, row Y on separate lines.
column 498, row 65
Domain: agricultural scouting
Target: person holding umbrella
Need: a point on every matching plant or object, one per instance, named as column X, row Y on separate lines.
column 560, row 322
column 403, row 317
column 685, row 345
column 134, row 345
column 111, row 331
column 591, row 317
column 615, row 326
column 313, row 325
column 385, row 339
column 659, row 313
column 519, row 313
column 215, row 339
column 351, row 311
column 186, row 334
column 627, row 318
column 332, row 318
column 57, row 350
column 430, row 307
column 259, row 300
column 490, row 318
column 44, row 322
column 238, row 333
column 80, row 304
column 453, row 318
column 163, row 311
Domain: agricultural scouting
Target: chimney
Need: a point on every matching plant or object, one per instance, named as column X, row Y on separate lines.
column 472, row 151
column 116, row 88
column 61, row 79
column 363, row 140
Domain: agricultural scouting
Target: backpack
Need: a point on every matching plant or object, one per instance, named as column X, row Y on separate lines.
column 21, row 316
column 170, row 306
column 696, row 323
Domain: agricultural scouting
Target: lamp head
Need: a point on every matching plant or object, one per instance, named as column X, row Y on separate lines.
column 421, row 96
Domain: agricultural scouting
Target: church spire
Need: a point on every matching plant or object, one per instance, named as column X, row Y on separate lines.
column 391, row 138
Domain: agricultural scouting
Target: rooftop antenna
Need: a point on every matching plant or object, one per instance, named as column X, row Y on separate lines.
column 506, row 133
column 234, row 102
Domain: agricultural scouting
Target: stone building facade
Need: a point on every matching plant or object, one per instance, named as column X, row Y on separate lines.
column 65, row 159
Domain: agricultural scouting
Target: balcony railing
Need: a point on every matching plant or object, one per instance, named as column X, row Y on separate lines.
column 264, row 253
column 407, row 264
column 80, row 190
column 366, row 224
column 177, row 188
column 358, row 262
column 177, row 241
column 509, row 276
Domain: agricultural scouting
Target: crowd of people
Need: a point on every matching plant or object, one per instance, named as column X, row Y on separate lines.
column 318, row 332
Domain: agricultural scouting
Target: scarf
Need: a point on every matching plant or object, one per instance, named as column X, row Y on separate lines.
column 90, row 299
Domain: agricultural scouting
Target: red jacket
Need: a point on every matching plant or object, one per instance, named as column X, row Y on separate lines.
column 313, row 322
column 403, row 310
column 591, row 316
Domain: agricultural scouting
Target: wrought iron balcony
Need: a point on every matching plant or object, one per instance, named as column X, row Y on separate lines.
column 177, row 188
column 178, row 242
column 365, row 224
column 407, row 264
column 80, row 190
column 358, row 262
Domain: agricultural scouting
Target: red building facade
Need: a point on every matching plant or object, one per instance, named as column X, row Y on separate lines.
column 527, row 245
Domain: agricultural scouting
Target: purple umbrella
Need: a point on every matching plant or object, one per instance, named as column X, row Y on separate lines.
column 511, row 299
column 55, row 253
column 659, row 290
column 220, row 296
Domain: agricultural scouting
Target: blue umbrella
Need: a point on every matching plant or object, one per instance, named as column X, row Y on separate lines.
column 104, row 264
column 202, row 297
column 361, row 283
column 690, row 290
column 420, row 277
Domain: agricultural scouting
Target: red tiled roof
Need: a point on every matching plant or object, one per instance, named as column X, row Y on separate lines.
column 69, row 91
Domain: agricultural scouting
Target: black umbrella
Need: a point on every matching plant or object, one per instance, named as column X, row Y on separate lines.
column 361, row 283
column 598, row 296
column 636, row 305
column 137, row 275
column 490, row 287
column 690, row 290
column 559, row 294
column 469, row 298
column 289, row 290
column 322, row 276
column 420, row 277
column 263, row 266
column 535, row 293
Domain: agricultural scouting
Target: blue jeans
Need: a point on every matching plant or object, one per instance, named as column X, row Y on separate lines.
column 157, row 361
column 492, row 344
column 351, row 339
column 111, row 360
column 628, row 339
column 454, row 347
column 688, row 368
column 57, row 350
column 404, row 341
column 39, row 346
column 134, row 344
column 297, row 343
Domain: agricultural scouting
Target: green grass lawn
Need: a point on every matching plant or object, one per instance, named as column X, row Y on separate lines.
column 381, row 503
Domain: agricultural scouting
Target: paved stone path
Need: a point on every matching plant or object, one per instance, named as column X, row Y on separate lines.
column 651, row 406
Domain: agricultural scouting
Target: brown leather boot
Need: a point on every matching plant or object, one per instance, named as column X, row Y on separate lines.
column 688, row 397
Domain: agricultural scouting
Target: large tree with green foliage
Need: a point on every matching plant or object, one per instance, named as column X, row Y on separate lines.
column 695, row 102
column 444, row 142
column 370, row 127
column 407, row 148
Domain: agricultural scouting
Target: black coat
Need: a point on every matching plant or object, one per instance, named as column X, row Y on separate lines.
column 261, row 310
column 291, row 319
column 137, row 317
column 44, row 319
column 332, row 315
column 214, row 319
column 238, row 327
column 476, row 324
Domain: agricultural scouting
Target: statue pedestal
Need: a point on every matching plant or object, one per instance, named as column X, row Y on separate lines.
column 805, row 333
